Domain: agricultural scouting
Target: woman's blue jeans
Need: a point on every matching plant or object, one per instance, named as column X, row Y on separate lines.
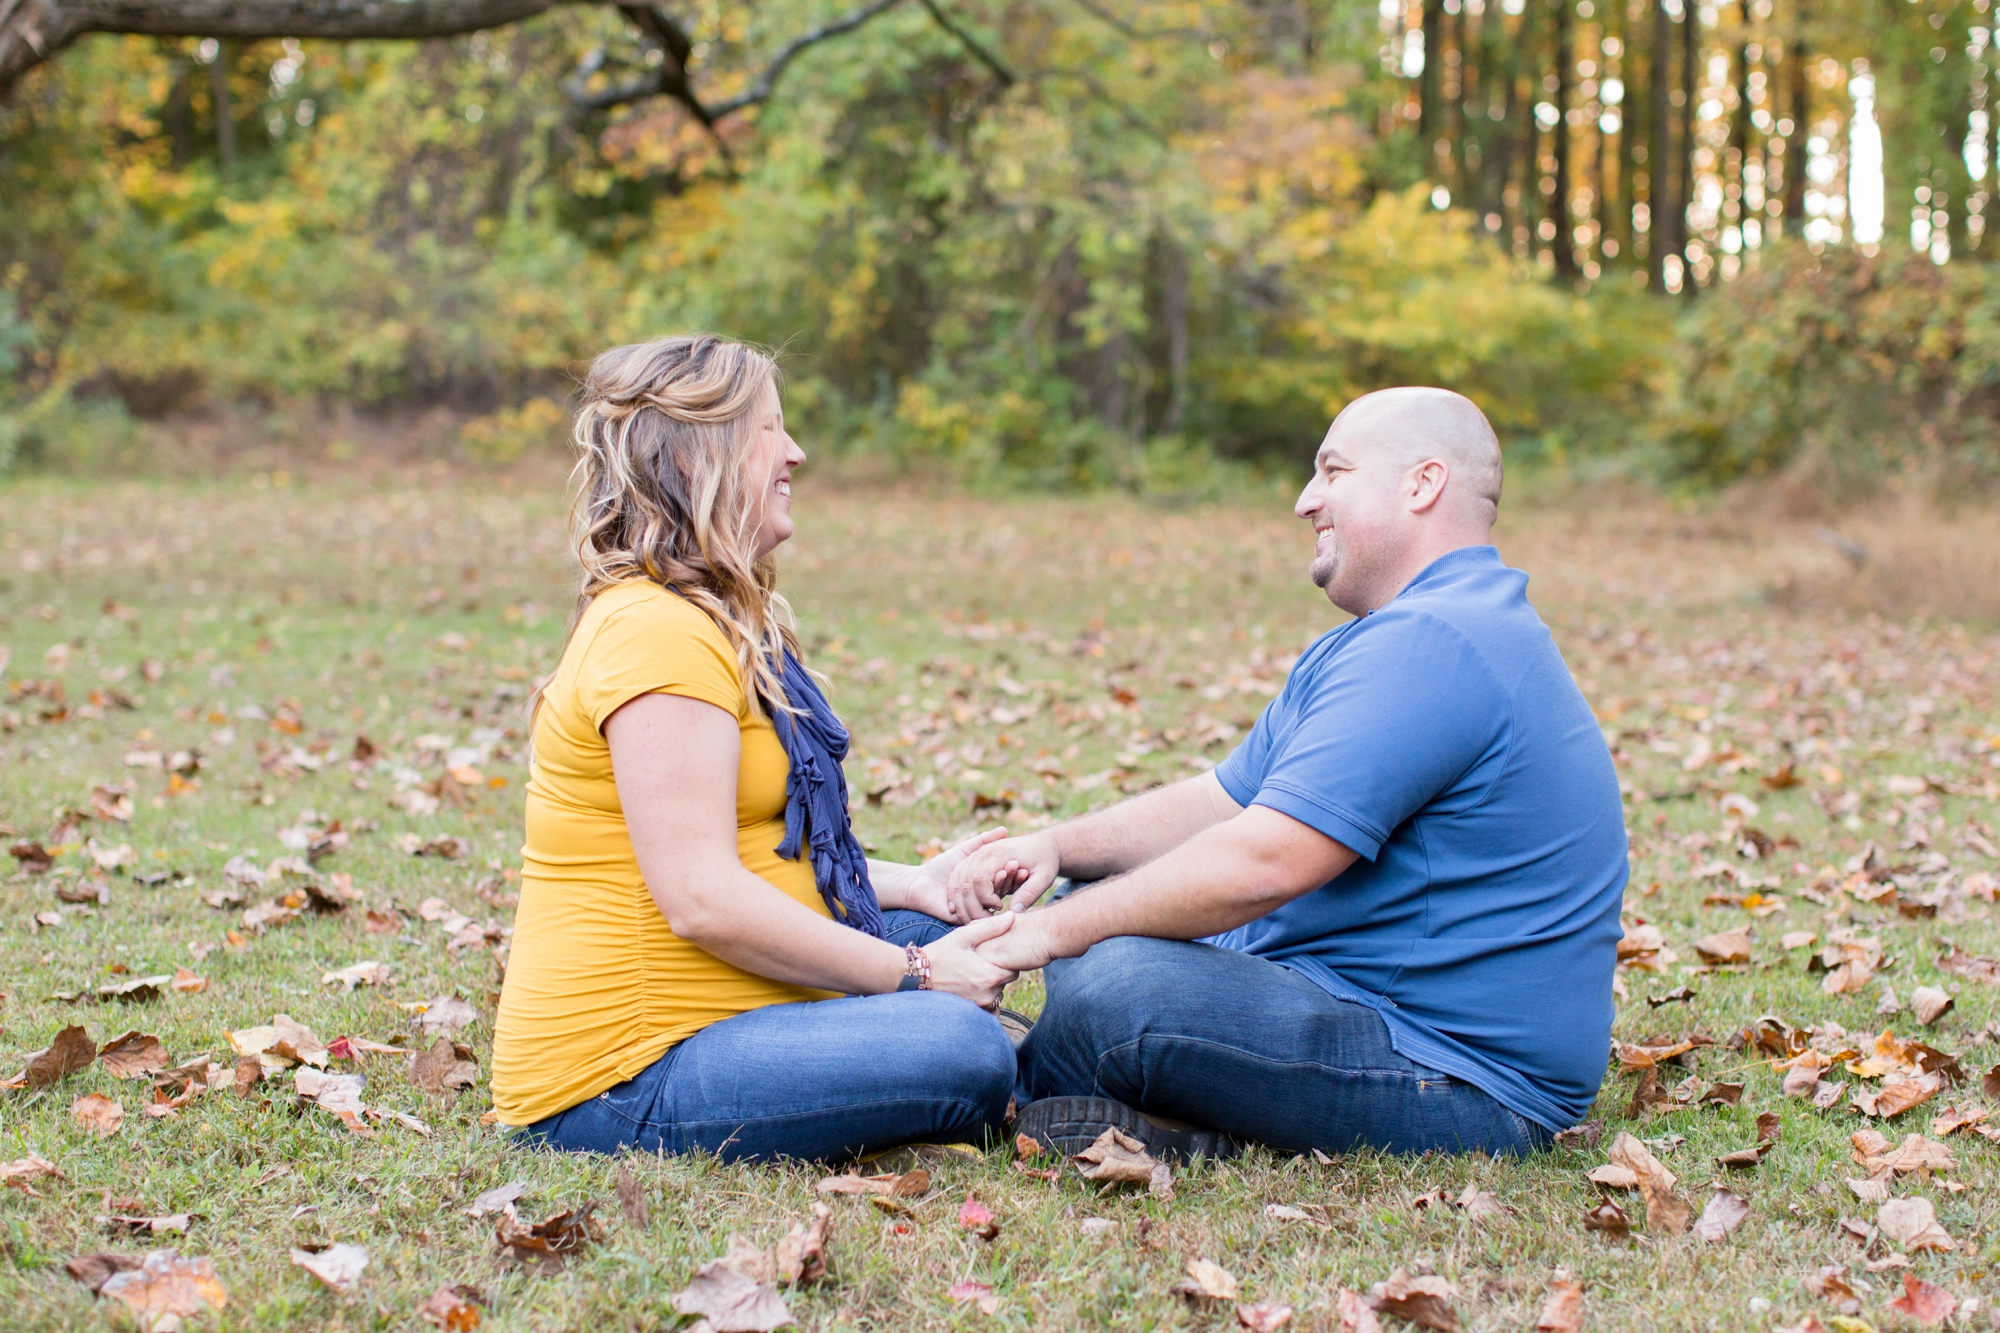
column 823, row 1081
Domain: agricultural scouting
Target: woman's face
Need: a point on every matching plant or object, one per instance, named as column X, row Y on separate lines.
column 773, row 455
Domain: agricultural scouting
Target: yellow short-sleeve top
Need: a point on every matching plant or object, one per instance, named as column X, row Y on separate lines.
column 597, row 985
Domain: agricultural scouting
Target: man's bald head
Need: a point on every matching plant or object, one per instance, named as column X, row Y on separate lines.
column 1410, row 425
column 1403, row 476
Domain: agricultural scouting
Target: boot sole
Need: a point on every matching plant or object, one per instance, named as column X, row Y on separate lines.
column 1068, row 1125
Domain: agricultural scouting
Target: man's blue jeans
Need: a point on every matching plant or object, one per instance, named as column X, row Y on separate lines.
column 1234, row 1043
column 823, row 1081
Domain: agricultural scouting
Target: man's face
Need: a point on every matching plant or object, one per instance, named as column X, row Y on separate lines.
column 1357, row 523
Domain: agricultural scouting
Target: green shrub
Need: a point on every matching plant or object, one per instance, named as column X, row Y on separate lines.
column 1841, row 368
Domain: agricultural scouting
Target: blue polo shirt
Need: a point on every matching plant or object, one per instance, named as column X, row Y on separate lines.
column 1443, row 740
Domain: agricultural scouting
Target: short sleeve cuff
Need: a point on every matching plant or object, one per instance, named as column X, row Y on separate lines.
column 726, row 700
column 1321, row 818
column 1242, row 788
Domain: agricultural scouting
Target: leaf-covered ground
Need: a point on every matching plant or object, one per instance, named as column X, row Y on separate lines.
column 193, row 669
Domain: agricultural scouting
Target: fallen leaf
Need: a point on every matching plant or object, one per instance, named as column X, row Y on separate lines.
column 1899, row 1094
column 1264, row 1316
column 1613, row 1176
column 497, row 1198
column 1925, row 1302
column 248, row 1074
column 1477, row 1203
column 454, row 1308
column 1562, row 1312
column 1724, row 1213
column 905, row 1185
column 336, row 1093
column 1206, row 1281
column 973, row 1293
column 1968, row 965
column 1723, row 1094
column 1744, row 1158
column 1279, row 1212
column 1421, row 1300
column 358, row 974
column 1354, row 1312
column 1831, row 1284
column 139, row 990
column 801, row 1255
column 1913, row 1223
column 23, row 1169
column 1769, row 1127
column 280, row 1044
column 1116, row 1156
column 166, row 1287
column 1609, row 1218
column 977, row 1218
column 338, row 1265
column 447, row 1067
column 98, row 1114
column 1955, row 1118
column 445, row 1015
column 187, row 982
column 547, row 1244
column 1728, row 946
column 71, row 1050
column 94, row 1270
column 1929, row 1004
column 732, row 1302
column 749, row 1259
column 149, row 1226
column 1666, row 1212
column 631, row 1197
column 133, row 1055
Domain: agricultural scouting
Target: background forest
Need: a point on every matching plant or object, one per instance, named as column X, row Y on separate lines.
column 1058, row 242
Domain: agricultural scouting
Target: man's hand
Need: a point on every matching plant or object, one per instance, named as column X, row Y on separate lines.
column 1029, row 945
column 928, row 889
column 1024, row 867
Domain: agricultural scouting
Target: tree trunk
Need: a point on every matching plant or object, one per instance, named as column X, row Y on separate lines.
column 1427, row 81
column 1565, row 242
column 1661, row 237
column 178, row 114
column 1690, row 64
column 1795, row 143
column 225, row 107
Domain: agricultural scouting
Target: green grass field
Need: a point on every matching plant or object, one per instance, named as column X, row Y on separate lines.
column 1003, row 660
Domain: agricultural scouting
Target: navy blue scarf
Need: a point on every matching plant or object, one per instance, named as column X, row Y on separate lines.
column 816, row 802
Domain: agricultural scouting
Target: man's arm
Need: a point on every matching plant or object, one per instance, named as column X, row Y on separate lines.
column 1129, row 834
column 1230, row 873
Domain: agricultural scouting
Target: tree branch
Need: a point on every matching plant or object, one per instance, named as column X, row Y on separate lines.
column 979, row 53
column 33, row 30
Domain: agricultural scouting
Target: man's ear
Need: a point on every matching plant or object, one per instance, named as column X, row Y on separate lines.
column 1427, row 482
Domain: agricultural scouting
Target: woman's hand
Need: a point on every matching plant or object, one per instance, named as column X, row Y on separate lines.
column 956, row 966
column 929, row 890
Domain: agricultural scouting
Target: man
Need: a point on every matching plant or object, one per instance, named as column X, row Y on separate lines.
column 1390, row 918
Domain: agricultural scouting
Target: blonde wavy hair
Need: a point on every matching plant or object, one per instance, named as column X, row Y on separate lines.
column 664, row 430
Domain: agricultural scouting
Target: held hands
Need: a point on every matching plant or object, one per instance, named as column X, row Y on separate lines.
column 1024, row 867
column 932, row 889
column 957, row 965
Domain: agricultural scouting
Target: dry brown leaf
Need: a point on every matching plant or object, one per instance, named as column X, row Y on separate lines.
column 1925, row 1302
column 369, row 973
column 1613, row 1176
column 1929, row 1004
column 1354, row 1313
column 454, row 1309
column 146, row 1226
column 1562, row 1312
column 339, row 1094
column 444, row 1015
column 1421, row 1300
column 977, row 1218
column 1723, row 1214
column 187, row 982
column 974, row 1293
column 732, row 1302
column 1899, row 1093
column 94, row 1270
column 1609, row 1218
column 549, row 1243
column 1954, row 1118
column 1117, row 1156
column 497, row 1198
column 750, row 1259
column 1477, row 1203
column 98, row 1114
column 631, row 1198
column 1968, row 965
column 248, row 1074
column 1206, row 1281
column 133, row 1055
column 165, row 1286
column 448, row 1067
column 1666, row 1212
column 1264, row 1316
column 906, row 1185
column 23, row 1169
column 802, row 1255
column 71, row 1050
column 1913, row 1224
column 338, row 1265
column 1831, row 1284
column 1728, row 946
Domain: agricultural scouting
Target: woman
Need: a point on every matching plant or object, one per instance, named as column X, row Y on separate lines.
column 694, row 905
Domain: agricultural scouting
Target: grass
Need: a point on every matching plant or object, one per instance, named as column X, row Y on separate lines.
column 1027, row 658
